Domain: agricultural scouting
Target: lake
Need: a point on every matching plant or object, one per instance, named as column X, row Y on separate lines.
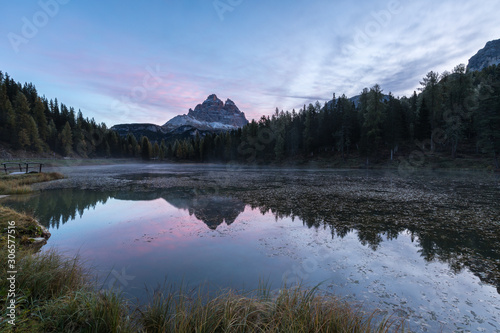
column 422, row 246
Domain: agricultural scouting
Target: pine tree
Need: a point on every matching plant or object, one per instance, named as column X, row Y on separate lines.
column 430, row 90
column 146, row 148
column 34, row 139
column 23, row 123
column 8, row 132
column 308, row 130
column 79, row 142
column 3, row 109
column 52, row 138
column 66, row 139
column 190, row 152
column 488, row 114
column 40, row 119
column 279, row 131
column 373, row 121
column 156, row 151
column 132, row 145
column 456, row 88
column 393, row 124
column 423, row 129
column 163, row 150
column 23, row 139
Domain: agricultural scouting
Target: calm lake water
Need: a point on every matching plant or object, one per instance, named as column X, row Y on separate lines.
column 142, row 239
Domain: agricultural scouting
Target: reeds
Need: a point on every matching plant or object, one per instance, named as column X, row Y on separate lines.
column 55, row 295
column 293, row 310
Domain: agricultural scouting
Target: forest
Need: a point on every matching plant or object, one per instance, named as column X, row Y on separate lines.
column 453, row 113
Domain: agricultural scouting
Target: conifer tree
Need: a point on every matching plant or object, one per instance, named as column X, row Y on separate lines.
column 156, row 151
column 66, row 139
column 430, row 90
column 488, row 114
column 373, row 120
column 146, row 148
column 393, row 124
column 40, row 119
column 23, row 123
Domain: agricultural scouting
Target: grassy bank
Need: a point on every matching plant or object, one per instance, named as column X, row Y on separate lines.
column 20, row 184
column 55, row 294
column 26, row 227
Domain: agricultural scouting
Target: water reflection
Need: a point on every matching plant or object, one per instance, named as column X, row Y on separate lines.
column 213, row 210
column 53, row 208
column 460, row 245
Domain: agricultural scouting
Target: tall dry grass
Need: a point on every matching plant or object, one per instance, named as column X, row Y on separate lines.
column 54, row 294
column 20, row 184
column 293, row 310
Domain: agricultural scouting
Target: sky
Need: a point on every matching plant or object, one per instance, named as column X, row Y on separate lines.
column 148, row 61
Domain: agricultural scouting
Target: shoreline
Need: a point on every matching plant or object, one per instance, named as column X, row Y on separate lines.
column 431, row 161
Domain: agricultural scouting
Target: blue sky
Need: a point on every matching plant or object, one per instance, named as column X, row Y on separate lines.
column 131, row 61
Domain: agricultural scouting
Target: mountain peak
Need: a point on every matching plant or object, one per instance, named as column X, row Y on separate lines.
column 487, row 56
column 212, row 114
column 212, row 97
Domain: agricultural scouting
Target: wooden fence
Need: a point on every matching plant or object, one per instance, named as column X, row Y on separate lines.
column 25, row 167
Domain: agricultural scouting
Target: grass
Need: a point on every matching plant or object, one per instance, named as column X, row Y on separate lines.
column 293, row 310
column 56, row 294
column 53, row 294
column 26, row 227
column 20, row 184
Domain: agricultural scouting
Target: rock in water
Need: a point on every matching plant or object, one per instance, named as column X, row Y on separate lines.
column 488, row 56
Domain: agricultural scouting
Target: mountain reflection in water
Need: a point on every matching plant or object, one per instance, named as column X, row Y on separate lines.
column 459, row 248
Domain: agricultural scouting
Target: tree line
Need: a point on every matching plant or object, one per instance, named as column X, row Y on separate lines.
column 33, row 123
column 455, row 112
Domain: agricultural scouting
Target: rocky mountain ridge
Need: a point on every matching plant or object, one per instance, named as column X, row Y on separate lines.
column 487, row 56
column 212, row 116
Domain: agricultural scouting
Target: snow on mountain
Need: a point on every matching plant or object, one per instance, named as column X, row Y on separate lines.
column 211, row 116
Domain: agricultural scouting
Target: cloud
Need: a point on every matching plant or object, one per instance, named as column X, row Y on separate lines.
column 262, row 56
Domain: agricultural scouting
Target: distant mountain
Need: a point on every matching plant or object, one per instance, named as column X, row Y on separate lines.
column 356, row 99
column 212, row 116
column 152, row 131
column 487, row 56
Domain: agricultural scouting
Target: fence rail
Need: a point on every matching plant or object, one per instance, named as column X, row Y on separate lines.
column 25, row 167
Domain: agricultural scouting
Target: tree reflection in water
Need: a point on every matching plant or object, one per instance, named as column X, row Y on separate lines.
column 460, row 243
